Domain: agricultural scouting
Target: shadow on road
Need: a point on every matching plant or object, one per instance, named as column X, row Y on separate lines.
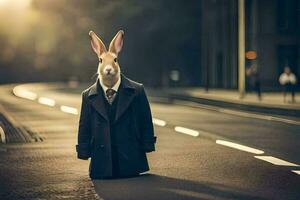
column 150, row 186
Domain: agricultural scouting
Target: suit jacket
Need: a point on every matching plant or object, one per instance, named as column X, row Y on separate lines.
column 133, row 130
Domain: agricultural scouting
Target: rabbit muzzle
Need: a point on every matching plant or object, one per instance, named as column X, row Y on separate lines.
column 109, row 70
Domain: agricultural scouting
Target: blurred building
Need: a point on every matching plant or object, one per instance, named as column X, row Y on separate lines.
column 272, row 31
column 167, row 43
column 218, row 43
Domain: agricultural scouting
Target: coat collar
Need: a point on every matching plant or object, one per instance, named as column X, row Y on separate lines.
column 126, row 93
column 115, row 87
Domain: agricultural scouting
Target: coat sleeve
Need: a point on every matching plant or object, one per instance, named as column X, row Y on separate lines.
column 145, row 123
column 84, row 133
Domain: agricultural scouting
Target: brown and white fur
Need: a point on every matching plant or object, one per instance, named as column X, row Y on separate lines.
column 108, row 67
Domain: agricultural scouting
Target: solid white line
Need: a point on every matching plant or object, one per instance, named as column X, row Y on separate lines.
column 276, row 161
column 24, row 93
column 245, row 114
column 258, row 116
column 159, row 122
column 239, row 147
column 68, row 109
column 288, row 121
column 296, row 171
column 186, row 131
column 2, row 134
column 46, row 101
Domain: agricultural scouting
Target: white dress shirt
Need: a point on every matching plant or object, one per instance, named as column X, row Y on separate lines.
column 287, row 78
column 105, row 88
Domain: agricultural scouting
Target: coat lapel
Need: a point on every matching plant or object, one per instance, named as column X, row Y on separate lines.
column 97, row 100
column 126, row 94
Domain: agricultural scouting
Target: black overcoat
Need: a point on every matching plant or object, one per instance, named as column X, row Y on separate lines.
column 133, row 128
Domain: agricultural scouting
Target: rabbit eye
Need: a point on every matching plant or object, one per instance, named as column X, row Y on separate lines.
column 115, row 59
column 100, row 60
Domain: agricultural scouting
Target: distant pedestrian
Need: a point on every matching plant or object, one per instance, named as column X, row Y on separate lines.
column 288, row 80
column 254, row 80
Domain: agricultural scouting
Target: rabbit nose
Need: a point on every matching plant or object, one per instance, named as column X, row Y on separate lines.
column 108, row 69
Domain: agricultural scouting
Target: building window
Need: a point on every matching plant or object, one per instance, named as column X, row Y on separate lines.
column 288, row 16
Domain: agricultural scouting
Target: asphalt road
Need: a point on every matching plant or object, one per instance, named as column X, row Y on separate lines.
column 183, row 167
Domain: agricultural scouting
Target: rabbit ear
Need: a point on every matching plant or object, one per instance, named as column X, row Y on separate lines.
column 97, row 44
column 117, row 43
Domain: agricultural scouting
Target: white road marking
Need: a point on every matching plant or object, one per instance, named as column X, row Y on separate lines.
column 276, row 161
column 238, row 113
column 186, row 131
column 2, row 134
column 24, row 93
column 46, row 101
column 245, row 114
column 288, row 121
column 68, row 109
column 159, row 122
column 296, row 171
column 239, row 147
column 258, row 116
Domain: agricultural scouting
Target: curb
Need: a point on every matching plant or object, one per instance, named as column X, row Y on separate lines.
column 13, row 132
column 240, row 106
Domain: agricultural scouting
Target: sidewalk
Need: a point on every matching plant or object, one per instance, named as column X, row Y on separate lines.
column 272, row 102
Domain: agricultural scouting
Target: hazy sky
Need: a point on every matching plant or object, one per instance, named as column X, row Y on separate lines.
column 48, row 39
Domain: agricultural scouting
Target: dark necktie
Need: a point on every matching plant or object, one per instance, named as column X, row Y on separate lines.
column 110, row 93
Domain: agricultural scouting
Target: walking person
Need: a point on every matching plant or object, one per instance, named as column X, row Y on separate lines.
column 288, row 80
column 253, row 82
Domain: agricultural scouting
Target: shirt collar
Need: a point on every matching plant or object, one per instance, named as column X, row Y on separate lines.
column 115, row 87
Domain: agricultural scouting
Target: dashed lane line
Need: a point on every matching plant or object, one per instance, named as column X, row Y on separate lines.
column 20, row 92
column 68, row 109
column 270, row 159
column 296, row 171
column 159, row 122
column 187, row 131
column 276, row 161
column 46, row 101
column 239, row 147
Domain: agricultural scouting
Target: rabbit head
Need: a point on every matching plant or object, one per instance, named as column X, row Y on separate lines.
column 108, row 67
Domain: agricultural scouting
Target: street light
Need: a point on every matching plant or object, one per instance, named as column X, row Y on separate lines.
column 241, row 47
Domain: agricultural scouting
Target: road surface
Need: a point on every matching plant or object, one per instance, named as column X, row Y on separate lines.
column 202, row 153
